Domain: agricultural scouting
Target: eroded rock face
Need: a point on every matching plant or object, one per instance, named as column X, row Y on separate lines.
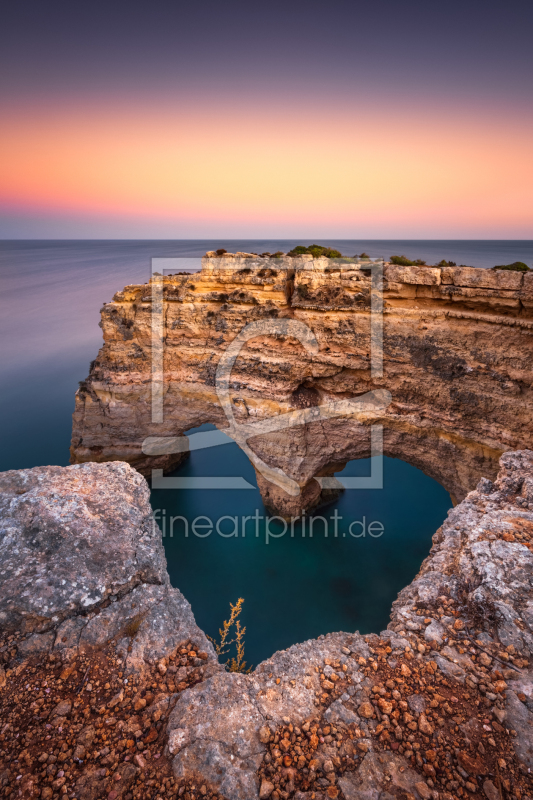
column 456, row 361
column 442, row 701
column 82, row 562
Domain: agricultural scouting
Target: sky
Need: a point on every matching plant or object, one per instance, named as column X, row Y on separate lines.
column 351, row 119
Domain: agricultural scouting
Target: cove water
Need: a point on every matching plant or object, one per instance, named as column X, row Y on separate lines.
column 294, row 587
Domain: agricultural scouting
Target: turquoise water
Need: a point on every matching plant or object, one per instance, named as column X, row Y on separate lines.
column 294, row 587
column 298, row 586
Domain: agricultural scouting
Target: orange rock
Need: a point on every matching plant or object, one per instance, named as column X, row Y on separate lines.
column 385, row 706
column 366, row 710
column 472, row 764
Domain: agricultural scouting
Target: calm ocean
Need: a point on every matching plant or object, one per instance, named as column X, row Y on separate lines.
column 294, row 587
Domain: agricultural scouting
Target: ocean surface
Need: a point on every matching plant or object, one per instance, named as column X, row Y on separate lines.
column 294, row 587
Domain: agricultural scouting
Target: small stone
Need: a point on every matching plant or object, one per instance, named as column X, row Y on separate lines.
column 366, row 710
column 490, row 790
column 264, row 734
column 266, row 790
column 424, row 726
column 385, row 706
column 118, row 698
column 79, row 753
column 327, row 766
column 62, row 709
column 406, row 672
column 423, row 790
column 484, row 659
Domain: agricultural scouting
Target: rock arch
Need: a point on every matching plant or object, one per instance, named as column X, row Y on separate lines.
column 457, row 346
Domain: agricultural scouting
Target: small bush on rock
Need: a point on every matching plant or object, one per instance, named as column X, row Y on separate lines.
column 316, row 250
column 516, row 266
column 403, row 261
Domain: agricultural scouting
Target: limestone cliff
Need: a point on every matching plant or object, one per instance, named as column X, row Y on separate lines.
column 457, row 346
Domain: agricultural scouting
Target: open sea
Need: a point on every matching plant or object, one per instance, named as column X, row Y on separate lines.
column 294, row 587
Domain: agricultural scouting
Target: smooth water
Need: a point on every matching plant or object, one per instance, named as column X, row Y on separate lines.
column 50, row 296
column 363, row 549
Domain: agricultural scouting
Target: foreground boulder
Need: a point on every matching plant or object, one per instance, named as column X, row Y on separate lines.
column 125, row 698
column 82, row 563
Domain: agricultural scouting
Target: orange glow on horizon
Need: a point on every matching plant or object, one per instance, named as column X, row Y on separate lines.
column 242, row 168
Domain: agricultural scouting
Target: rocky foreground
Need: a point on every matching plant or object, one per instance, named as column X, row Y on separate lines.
column 110, row 690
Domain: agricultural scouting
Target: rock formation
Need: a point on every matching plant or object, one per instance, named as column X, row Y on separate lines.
column 438, row 706
column 456, row 362
column 82, row 558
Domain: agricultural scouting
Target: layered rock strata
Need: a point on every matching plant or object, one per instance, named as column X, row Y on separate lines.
column 438, row 706
column 456, row 361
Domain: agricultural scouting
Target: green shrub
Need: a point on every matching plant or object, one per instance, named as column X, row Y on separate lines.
column 316, row 250
column 516, row 266
column 445, row 263
column 403, row 261
column 299, row 250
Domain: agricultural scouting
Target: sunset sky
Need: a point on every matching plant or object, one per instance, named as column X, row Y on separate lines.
column 348, row 119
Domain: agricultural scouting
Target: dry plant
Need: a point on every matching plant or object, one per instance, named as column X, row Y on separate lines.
column 236, row 664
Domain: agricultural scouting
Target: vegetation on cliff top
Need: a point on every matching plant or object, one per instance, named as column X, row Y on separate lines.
column 516, row 266
column 316, row 250
column 403, row 261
